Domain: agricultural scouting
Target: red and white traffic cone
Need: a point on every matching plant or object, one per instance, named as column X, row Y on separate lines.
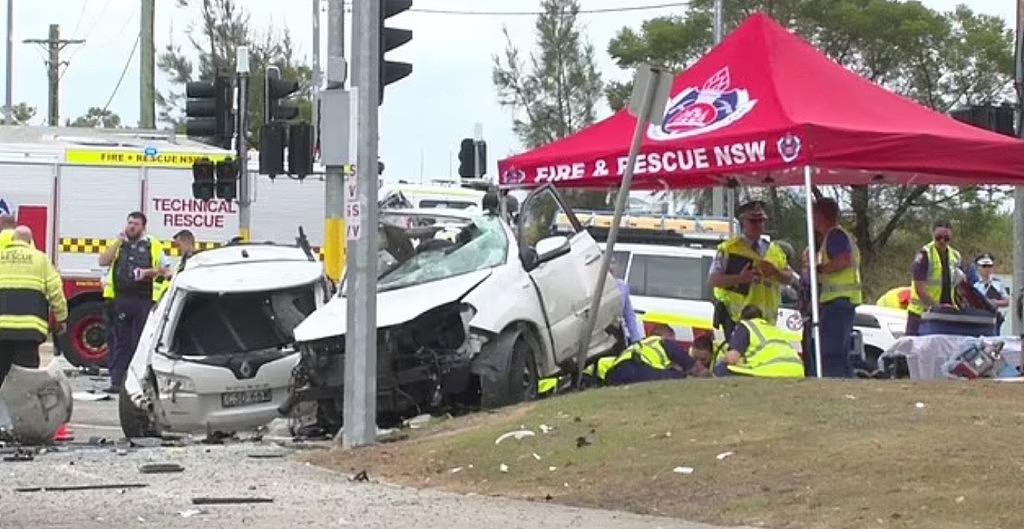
column 64, row 434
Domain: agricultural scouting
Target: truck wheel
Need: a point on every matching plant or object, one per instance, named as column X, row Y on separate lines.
column 85, row 342
column 518, row 380
column 135, row 422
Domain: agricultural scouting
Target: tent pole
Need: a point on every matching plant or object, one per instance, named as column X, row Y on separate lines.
column 650, row 92
column 813, row 270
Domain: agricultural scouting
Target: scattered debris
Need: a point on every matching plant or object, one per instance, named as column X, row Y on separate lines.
column 577, row 419
column 62, row 488
column 919, row 405
column 20, row 455
column 456, row 470
column 160, row 468
column 546, row 429
column 360, row 477
column 418, row 421
column 960, row 499
column 228, row 501
column 90, row 396
column 723, row 455
column 851, row 397
column 217, row 438
column 548, row 497
column 582, row 441
column 552, row 469
column 270, row 455
column 121, row 452
column 683, row 470
column 517, row 434
column 536, row 456
column 503, row 467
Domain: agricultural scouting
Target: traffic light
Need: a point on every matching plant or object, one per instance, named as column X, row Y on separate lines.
column 300, row 149
column 209, row 110
column 472, row 158
column 272, row 142
column 202, row 179
column 275, row 91
column 391, row 38
column 227, row 179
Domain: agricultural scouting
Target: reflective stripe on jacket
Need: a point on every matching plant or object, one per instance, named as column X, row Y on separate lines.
column 156, row 251
column 763, row 293
column 648, row 351
column 769, row 355
column 29, row 288
column 934, row 281
column 846, row 282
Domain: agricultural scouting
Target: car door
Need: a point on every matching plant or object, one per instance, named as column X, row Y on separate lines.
column 559, row 281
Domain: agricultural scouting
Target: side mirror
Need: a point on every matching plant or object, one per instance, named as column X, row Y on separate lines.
column 552, row 248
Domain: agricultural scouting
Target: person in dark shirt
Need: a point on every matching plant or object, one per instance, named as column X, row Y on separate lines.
column 683, row 364
column 933, row 272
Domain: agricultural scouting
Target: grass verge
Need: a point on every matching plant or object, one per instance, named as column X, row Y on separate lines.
column 809, row 453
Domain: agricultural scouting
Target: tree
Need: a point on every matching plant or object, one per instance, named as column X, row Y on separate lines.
column 942, row 60
column 223, row 27
column 556, row 92
column 22, row 113
column 97, row 117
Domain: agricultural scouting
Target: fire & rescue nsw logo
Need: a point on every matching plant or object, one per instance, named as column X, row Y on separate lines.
column 696, row 111
column 789, row 147
column 515, row 176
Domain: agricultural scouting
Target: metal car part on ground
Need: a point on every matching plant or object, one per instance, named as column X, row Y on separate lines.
column 470, row 324
column 37, row 402
column 217, row 352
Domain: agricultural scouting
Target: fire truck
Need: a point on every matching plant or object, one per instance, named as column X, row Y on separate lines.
column 75, row 187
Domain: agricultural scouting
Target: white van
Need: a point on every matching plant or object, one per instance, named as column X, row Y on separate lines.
column 413, row 196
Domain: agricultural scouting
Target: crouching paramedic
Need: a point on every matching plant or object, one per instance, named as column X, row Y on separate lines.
column 30, row 288
column 657, row 357
column 759, row 349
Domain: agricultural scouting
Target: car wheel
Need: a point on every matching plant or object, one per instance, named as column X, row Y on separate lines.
column 518, row 380
column 85, row 341
column 135, row 422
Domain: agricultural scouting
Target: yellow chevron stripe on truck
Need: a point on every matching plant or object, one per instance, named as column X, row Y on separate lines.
column 95, row 246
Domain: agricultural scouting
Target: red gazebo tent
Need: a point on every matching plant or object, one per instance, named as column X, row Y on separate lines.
column 764, row 107
column 760, row 107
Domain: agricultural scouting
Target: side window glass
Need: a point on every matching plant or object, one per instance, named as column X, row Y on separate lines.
column 638, row 276
column 620, row 262
column 539, row 217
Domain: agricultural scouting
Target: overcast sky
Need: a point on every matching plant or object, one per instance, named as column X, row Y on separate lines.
column 424, row 116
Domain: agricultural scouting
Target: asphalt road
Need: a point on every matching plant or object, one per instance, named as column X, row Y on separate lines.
column 302, row 495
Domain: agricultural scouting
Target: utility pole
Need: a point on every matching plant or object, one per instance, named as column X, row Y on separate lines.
column 1018, row 191
column 244, row 194
column 53, row 45
column 478, row 138
column 718, row 193
column 360, row 408
column 334, row 170
column 8, row 104
column 147, row 97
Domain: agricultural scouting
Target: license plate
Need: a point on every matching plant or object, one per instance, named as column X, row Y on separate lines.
column 244, row 398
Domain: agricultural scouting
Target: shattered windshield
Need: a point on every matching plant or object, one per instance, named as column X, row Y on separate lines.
column 479, row 245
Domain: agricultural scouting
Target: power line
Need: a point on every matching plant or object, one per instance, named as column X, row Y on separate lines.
column 92, row 28
column 81, row 15
column 123, row 72
column 536, row 13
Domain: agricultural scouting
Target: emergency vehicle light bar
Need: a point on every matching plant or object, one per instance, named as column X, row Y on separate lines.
column 659, row 237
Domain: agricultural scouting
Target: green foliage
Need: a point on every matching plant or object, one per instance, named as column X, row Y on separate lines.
column 557, row 93
column 222, row 27
column 22, row 113
column 97, row 117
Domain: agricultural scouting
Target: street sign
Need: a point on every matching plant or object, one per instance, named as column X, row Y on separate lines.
column 353, row 210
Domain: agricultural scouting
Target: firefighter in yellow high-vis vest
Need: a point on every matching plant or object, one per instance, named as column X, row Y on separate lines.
column 758, row 348
column 934, row 274
column 838, row 270
column 30, row 288
column 749, row 270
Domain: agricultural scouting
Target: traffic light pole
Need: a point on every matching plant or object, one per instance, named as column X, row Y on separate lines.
column 241, row 143
column 360, row 393
column 334, row 212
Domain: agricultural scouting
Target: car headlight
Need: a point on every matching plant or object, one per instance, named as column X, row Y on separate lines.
column 173, row 383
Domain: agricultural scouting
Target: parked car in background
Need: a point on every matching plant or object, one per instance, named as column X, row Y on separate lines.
column 472, row 319
column 217, row 352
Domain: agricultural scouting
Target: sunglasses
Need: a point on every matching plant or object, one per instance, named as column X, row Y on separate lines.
column 986, row 266
column 756, row 221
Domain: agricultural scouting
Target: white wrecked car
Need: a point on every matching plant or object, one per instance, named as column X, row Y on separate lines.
column 470, row 321
column 35, row 403
column 217, row 352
